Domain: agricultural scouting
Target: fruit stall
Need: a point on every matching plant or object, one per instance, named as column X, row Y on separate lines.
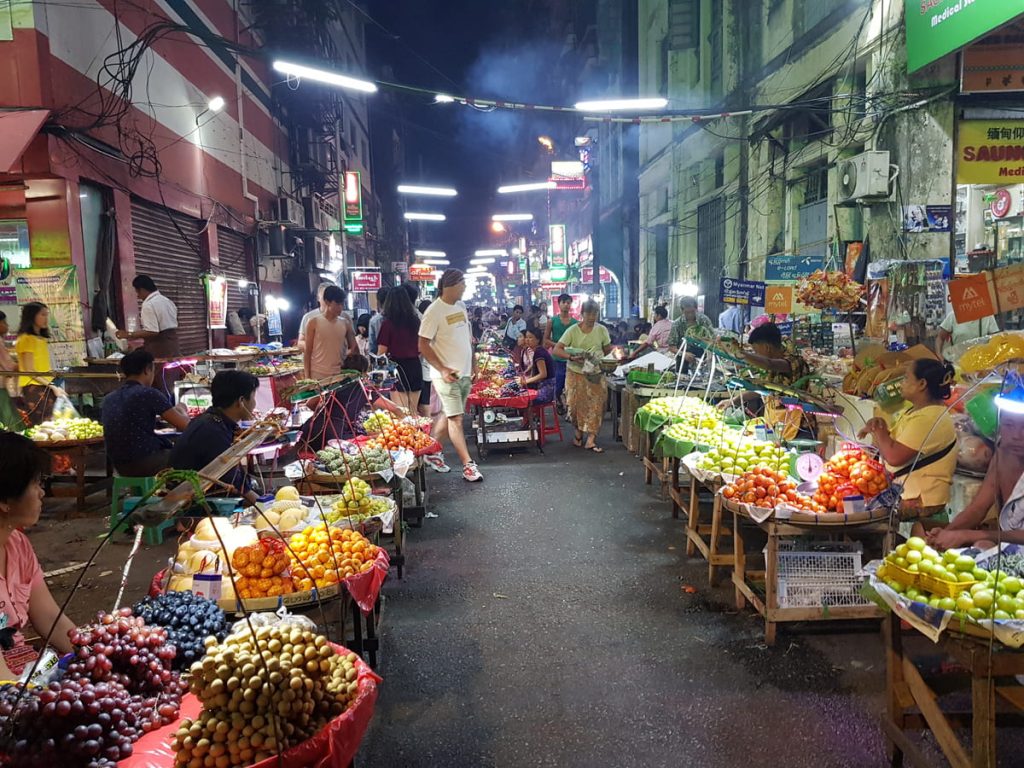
column 501, row 408
column 72, row 442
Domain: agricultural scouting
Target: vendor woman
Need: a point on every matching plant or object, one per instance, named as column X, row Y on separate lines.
column 919, row 449
column 24, row 596
column 540, row 375
column 1002, row 488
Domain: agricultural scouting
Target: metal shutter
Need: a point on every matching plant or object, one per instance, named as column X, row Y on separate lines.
column 234, row 266
column 175, row 266
column 711, row 254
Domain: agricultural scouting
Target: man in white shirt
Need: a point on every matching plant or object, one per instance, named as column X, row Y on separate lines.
column 446, row 342
column 515, row 327
column 731, row 319
column 159, row 320
column 952, row 333
column 304, row 323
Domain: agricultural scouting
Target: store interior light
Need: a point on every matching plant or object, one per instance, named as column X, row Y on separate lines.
column 581, row 141
column 411, row 216
column 419, row 189
column 534, row 186
column 685, row 289
column 622, row 105
column 491, row 252
column 476, row 270
column 482, row 260
column 430, row 254
column 497, row 227
column 437, row 262
column 274, row 303
column 324, row 76
column 216, row 104
column 443, row 98
column 243, row 284
column 500, row 217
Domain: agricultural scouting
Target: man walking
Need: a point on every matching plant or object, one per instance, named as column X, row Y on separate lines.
column 446, row 342
column 329, row 338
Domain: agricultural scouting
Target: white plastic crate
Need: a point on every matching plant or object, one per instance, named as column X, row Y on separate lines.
column 813, row 575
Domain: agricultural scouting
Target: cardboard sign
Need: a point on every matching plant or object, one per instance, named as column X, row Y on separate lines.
column 742, row 292
column 973, row 297
column 1010, row 287
column 778, row 299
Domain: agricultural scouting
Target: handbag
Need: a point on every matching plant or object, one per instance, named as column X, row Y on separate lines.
column 926, row 461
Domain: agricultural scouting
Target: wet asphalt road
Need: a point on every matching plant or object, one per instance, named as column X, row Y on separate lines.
column 543, row 621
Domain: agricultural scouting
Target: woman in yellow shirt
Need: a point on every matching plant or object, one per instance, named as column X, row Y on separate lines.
column 920, row 447
column 33, row 348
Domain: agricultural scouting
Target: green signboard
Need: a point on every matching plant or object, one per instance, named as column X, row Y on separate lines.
column 938, row 27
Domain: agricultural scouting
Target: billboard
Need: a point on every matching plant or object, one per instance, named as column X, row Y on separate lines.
column 990, row 152
column 938, row 27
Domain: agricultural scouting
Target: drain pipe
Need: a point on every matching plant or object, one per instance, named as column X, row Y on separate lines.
column 240, row 101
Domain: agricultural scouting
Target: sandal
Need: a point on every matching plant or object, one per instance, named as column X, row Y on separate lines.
column 595, row 448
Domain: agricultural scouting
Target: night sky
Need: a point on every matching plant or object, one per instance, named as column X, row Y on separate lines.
column 474, row 48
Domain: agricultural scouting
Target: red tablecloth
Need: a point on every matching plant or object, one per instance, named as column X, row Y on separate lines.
column 519, row 401
column 334, row 747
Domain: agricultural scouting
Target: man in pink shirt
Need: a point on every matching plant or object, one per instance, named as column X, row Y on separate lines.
column 658, row 337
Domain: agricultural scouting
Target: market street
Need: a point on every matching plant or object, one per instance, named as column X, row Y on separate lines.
column 543, row 621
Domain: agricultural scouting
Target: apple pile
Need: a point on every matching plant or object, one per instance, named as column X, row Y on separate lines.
column 768, row 489
column 735, row 455
column 851, row 472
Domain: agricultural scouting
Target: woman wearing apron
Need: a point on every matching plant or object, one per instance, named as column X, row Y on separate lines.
column 1002, row 488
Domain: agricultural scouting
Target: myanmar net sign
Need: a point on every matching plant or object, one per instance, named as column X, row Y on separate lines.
column 938, row 27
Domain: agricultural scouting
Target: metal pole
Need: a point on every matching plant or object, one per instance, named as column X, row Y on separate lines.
column 595, row 213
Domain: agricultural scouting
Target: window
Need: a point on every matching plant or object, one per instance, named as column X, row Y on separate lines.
column 717, row 48
column 816, row 184
column 810, row 13
column 683, row 25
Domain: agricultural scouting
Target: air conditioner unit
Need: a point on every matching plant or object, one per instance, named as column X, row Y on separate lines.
column 289, row 211
column 864, row 176
column 321, row 253
column 323, row 215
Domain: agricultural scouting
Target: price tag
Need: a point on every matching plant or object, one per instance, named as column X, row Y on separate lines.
column 208, row 585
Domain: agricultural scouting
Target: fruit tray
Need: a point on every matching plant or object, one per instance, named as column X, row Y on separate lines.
column 57, row 444
column 924, row 581
column 785, row 514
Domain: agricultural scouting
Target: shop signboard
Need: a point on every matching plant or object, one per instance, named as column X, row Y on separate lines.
column 786, row 328
column 365, row 281
column 778, row 299
column 57, row 288
column 973, row 297
column 559, row 274
column 992, row 68
column 1010, row 287
column 421, row 273
column 788, row 267
column 938, row 27
column 353, row 188
column 587, row 275
column 399, row 267
column 216, row 302
column 274, row 321
column 990, row 152
column 742, row 292
column 556, row 239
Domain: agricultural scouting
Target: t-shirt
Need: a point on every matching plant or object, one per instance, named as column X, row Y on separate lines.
column 374, row 332
column 514, row 327
column 928, row 430
column 549, row 363
column 402, row 343
column 973, row 329
column 23, row 575
column 205, row 438
column 158, row 313
column 305, row 320
column 330, row 347
column 593, row 342
column 447, row 328
column 39, row 348
column 129, row 421
column 700, row 327
column 558, row 327
column 658, row 337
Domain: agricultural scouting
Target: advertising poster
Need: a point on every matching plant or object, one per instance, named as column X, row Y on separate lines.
column 927, row 218
column 216, row 302
column 57, row 288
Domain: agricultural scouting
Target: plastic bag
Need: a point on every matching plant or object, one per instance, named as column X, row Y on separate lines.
column 270, row 619
column 63, row 408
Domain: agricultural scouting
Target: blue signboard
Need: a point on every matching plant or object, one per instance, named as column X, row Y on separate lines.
column 788, row 267
column 744, row 292
column 786, row 329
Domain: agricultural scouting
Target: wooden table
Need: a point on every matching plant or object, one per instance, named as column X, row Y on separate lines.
column 996, row 698
column 616, row 384
column 653, row 465
column 705, row 530
column 748, row 583
column 83, row 485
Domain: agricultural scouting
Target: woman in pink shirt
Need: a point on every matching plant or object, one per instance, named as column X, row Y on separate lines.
column 658, row 337
column 24, row 596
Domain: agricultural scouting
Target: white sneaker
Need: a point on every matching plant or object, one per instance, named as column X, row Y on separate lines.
column 436, row 462
column 471, row 474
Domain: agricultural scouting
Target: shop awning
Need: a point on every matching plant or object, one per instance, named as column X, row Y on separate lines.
column 17, row 129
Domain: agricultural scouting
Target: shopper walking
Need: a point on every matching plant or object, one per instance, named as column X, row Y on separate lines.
column 33, row 350
column 553, row 331
column 329, row 338
column 158, row 317
column 399, row 340
column 586, row 389
column 446, row 341
column 315, row 312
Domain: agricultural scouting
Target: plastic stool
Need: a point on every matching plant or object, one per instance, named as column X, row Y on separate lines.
column 545, row 429
column 152, row 535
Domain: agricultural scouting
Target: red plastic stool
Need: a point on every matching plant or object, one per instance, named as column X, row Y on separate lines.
column 545, row 429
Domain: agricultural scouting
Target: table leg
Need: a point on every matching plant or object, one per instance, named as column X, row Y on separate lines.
column 771, row 597
column 693, row 520
column 78, row 457
column 716, row 526
column 616, row 414
column 894, row 682
column 983, row 716
column 739, row 573
column 675, row 487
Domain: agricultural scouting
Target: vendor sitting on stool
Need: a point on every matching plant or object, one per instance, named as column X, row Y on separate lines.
column 211, row 433
column 1003, row 488
column 129, row 420
column 24, row 596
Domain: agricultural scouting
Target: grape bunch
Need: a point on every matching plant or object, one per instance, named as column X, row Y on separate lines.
column 120, row 647
column 188, row 618
column 76, row 723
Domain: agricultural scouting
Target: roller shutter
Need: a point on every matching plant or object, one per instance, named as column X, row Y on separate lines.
column 234, row 266
column 174, row 265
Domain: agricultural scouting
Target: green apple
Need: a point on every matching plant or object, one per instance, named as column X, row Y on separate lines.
column 964, row 563
column 914, row 556
column 912, row 593
column 1006, row 603
column 1011, row 584
column 949, row 556
column 964, row 602
column 980, row 574
column 900, row 562
column 894, row 585
column 947, row 604
column 964, row 576
column 1001, row 615
column 984, row 598
column 976, row 613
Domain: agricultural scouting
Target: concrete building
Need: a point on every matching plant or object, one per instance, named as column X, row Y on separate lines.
column 811, row 84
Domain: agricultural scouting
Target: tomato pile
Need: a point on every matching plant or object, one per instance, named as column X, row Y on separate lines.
column 851, row 472
column 397, row 435
column 767, row 488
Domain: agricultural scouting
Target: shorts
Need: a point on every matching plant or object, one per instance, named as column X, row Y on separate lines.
column 453, row 395
column 425, row 393
column 410, row 374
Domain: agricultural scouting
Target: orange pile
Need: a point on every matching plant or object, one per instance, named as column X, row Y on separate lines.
column 322, row 555
column 849, row 473
column 260, row 570
column 397, row 435
column 767, row 489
